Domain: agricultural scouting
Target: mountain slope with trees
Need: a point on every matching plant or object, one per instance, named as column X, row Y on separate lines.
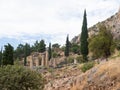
column 112, row 22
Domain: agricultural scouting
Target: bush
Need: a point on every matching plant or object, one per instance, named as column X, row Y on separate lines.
column 87, row 66
column 54, row 54
column 79, row 59
column 70, row 59
column 102, row 45
column 75, row 48
column 20, row 78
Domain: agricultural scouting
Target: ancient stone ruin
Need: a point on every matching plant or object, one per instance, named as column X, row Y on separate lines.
column 38, row 59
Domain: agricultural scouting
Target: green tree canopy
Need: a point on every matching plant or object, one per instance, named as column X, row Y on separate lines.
column 39, row 46
column 8, row 55
column 27, row 51
column 42, row 46
column 75, row 48
column 35, row 47
column 102, row 44
column 20, row 78
column 19, row 52
column 22, row 51
column 56, row 45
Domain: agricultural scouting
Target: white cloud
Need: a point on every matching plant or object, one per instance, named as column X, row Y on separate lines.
column 51, row 17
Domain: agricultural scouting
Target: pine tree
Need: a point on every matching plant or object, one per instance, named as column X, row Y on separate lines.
column 49, row 52
column 19, row 52
column 8, row 55
column 67, row 47
column 84, row 37
column 42, row 46
column 36, row 46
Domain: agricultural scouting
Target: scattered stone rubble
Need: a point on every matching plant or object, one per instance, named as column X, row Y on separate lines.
column 104, row 76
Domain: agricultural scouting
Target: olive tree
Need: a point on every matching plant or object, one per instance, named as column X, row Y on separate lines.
column 20, row 78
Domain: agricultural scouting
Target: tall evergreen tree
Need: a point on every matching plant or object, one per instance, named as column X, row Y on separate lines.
column 36, row 46
column 42, row 46
column 67, row 46
column 8, row 55
column 27, row 49
column 26, row 52
column 84, row 37
column 49, row 52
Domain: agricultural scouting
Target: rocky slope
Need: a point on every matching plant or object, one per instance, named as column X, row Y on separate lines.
column 62, row 78
column 113, row 23
column 104, row 76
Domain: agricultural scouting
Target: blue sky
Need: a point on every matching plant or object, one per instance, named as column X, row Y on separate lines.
column 24, row 21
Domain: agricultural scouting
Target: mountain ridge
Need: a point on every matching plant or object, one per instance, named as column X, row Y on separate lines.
column 113, row 22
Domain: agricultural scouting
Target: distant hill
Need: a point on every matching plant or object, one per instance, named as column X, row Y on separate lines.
column 113, row 22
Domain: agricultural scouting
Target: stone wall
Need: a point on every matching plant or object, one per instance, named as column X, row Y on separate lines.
column 38, row 59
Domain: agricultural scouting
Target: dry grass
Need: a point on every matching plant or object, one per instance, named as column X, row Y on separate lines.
column 105, row 75
column 111, row 81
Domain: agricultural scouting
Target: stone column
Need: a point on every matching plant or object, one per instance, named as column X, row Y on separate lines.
column 37, row 62
column 75, row 61
column 46, row 59
column 42, row 61
column 31, row 62
column 54, row 63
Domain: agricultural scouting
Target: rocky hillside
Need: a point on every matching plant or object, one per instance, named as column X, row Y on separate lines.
column 104, row 76
column 113, row 22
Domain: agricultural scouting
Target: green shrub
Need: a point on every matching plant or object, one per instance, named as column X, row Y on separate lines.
column 20, row 78
column 70, row 60
column 87, row 66
column 79, row 59
column 54, row 54
column 75, row 48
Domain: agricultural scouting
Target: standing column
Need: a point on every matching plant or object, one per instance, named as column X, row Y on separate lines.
column 37, row 61
column 46, row 59
column 54, row 63
column 31, row 62
column 42, row 62
column 75, row 61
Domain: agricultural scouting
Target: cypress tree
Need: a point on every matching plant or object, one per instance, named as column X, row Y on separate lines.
column 25, row 54
column 8, row 55
column 84, row 37
column 67, row 46
column 49, row 51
